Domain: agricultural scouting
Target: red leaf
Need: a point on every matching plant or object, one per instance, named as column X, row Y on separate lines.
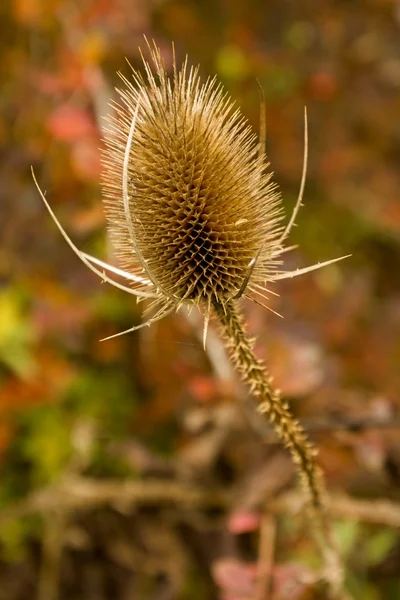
column 243, row 521
column 70, row 123
column 202, row 388
column 236, row 579
column 86, row 159
column 323, row 85
column 292, row 582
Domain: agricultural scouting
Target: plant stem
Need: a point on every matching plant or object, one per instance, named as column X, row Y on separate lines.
column 290, row 432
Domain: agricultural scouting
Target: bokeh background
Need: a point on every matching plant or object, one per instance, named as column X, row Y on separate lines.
column 81, row 421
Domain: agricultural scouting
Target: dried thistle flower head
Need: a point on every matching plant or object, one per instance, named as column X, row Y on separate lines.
column 198, row 204
column 191, row 210
column 195, row 220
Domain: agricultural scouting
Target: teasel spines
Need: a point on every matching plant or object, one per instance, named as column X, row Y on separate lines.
column 191, row 209
column 195, row 219
column 199, row 204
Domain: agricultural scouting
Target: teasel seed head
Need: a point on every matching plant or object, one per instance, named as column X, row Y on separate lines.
column 191, row 209
column 199, row 204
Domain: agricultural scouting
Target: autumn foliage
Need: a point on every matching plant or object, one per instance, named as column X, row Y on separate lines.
column 87, row 428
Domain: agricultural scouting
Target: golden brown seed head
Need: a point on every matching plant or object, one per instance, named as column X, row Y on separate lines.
column 190, row 207
column 199, row 204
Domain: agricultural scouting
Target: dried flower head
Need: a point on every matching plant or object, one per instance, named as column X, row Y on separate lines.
column 197, row 203
column 191, row 210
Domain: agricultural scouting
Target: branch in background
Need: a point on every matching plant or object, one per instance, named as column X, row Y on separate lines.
column 349, row 424
column 51, row 555
column 335, row 425
column 266, row 551
column 82, row 437
column 377, row 511
column 84, row 493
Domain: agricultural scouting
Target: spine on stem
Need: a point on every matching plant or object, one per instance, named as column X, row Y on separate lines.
column 270, row 403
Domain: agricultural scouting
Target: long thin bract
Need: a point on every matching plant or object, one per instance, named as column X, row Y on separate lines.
column 302, row 184
column 100, row 274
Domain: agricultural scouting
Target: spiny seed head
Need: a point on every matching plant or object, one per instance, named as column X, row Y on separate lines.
column 188, row 200
column 190, row 206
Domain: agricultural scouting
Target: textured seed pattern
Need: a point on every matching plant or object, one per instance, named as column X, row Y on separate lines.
column 201, row 204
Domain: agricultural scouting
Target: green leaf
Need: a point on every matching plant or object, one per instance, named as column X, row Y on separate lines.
column 378, row 545
column 47, row 445
column 12, row 539
column 16, row 335
column 231, row 62
column 346, row 533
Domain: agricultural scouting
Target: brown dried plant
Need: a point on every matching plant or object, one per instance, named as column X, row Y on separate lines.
column 195, row 220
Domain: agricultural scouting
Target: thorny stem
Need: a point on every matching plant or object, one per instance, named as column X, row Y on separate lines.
column 290, row 432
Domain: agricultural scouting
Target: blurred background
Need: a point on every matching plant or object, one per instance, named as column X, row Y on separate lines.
column 129, row 469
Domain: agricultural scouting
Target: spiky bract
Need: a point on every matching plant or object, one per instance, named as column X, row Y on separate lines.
column 200, row 205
